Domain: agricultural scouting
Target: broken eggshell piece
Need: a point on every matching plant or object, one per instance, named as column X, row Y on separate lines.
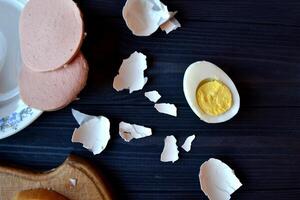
column 132, row 131
column 188, row 143
column 131, row 73
column 81, row 117
column 73, row 182
column 144, row 17
column 166, row 108
column 170, row 151
column 170, row 25
column 153, row 96
column 218, row 180
column 203, row 71
column 93, row 133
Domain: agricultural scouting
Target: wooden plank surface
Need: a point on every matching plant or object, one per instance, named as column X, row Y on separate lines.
column 257, row 42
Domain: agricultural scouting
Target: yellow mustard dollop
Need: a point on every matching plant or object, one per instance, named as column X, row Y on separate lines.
column 214, row 97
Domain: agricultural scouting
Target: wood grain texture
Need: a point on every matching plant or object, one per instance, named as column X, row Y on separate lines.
column 256, row 42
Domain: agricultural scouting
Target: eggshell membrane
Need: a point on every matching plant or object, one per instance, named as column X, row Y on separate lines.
column 51, row 33
column 49, row 91
column 203, row 70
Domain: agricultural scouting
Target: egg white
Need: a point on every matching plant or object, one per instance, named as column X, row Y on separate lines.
column 201, row 71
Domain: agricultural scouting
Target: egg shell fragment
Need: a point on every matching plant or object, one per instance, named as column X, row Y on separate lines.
column 81, row 117
column 144, row 17
column 166, row 108
column 170, row 151
column 188, row 143
column 203, row 70
column 170, row 25
column 132, row 131
column 131, row 73
column 93, row 133
column 153, row 96
column 218, row 180
column 73, row 182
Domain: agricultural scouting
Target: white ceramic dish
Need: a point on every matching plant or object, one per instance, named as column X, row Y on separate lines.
column 14, row 114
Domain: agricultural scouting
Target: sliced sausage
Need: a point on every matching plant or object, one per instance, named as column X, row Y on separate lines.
column 51, row 33
column 49, row 91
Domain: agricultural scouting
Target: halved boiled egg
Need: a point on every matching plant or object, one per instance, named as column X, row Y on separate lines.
column 210, row 92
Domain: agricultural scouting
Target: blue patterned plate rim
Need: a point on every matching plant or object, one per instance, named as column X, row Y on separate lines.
column 22, row 117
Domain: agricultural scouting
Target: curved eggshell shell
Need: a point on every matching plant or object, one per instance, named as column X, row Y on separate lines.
column 143, row 17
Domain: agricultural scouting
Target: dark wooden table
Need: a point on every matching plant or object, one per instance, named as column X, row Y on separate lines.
column 257, row 42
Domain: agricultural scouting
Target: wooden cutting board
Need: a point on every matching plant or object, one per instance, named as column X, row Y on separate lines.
column 89, row 186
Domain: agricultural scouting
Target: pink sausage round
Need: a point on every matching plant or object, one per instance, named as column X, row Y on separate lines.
column 51, row 33
column 49, row 91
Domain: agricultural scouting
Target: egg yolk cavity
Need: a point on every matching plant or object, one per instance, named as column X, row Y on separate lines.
column 213, row 97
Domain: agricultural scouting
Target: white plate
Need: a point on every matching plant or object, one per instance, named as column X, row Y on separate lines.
column 14, row 114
